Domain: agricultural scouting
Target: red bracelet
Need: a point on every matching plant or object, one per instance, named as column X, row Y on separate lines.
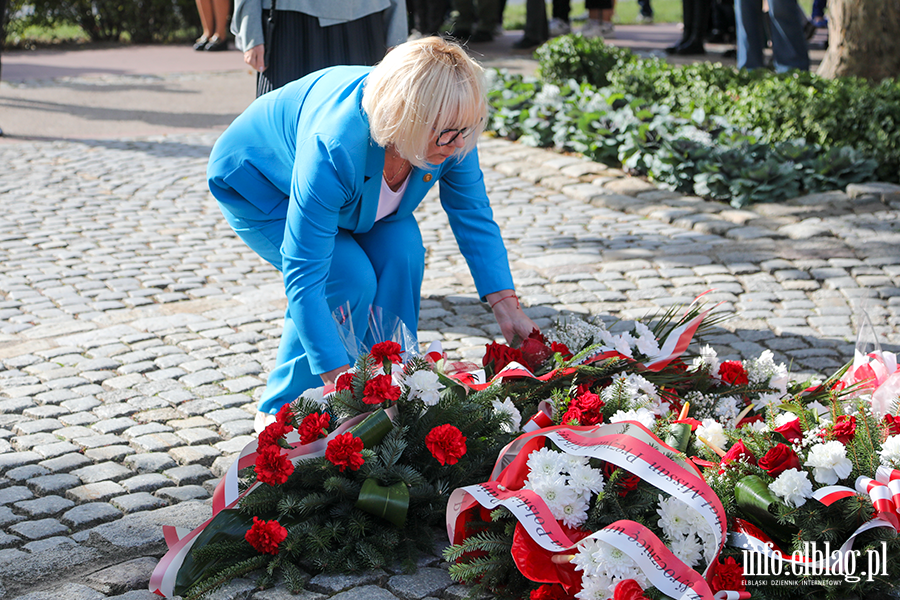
column 498, row 301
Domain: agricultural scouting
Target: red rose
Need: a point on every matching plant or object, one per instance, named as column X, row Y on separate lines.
column 791, row 431
column 312, row 427
column 271, row 435
column 892, row 424
column 738, row 452
column 625, row 482
column 272, row 466
column 589, row 401
column 844, row 428
column 778, row 460
column 500, row 355
column 561, row 349
column 572, row 416
column 728, row 575
column 446, row 443
column 732, row 371
column 345, row 451
column 285, row 416
column 629, row 589
column 344, row 382
column 549, row 592
column 387, row 351
column 534, row 350
column 265, row 536
column 380, row 389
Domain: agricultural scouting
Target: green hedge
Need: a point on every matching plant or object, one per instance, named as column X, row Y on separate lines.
column 731, row 135
column 139, row 21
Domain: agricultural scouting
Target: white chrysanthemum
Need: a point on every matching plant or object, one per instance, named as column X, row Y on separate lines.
column 687, row 548
column 793, row 487
column 646, row 342
column 586, row 480
column 595, row 588
column 764, row 371
column 677, row 519
column 829, row 462
column 709, row 359
column 614, row 563
column 757, row 426
column 623, row 343
column 509, row 408
column 890, row 451
column 555, row 493
column 713, row 432
column 544, row 462
column 727, row 409
column 606, row 338
column 573, row 513
column 641, row 415
column 424, row 385
column 584, row 559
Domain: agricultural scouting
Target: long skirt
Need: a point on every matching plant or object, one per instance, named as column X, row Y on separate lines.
column 301, row 46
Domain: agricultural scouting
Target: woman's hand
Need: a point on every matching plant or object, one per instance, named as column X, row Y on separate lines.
column 514, row 323
column 256, row 57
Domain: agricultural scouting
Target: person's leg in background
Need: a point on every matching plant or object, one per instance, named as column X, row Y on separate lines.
column 646, row 14
column 696, row 22
column 536, row 27
column 748, row 18
column 487, row 21
column 2, row 36
column 788, row 38
column 600, row 15
column 559, row 24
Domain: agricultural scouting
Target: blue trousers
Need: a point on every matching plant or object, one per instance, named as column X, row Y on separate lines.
column 383, row 267
column 788, row 39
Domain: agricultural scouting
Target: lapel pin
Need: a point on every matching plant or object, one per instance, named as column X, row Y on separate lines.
column 427, row 177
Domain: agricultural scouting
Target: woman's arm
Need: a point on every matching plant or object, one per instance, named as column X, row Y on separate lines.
column 514, row 323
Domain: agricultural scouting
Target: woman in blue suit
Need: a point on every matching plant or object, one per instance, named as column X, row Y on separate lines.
column 321, row 177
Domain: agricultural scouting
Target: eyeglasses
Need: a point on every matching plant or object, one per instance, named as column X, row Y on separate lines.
column 448, row 136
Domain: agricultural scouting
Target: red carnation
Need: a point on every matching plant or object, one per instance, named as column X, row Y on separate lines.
column 892, row 424
column 272, row 466
column 285, row 416
column 629, row 589
column 387, row 351
column 732, row 371
column 312, row 427
column 500, row 355
column 446, row 443
column 561, row 349
column 271, row 435
column 345, row 451
column 844, row 428
column 265, row 536
column 728, row 575
column 778, row 460
column 791, row 431
column 738, row 452
column 344, row 382
column 380, row 389
column 549, row 592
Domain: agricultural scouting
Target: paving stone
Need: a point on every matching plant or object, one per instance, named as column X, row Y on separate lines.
column 109, row 453
column 50, row 543
column 200, row 455
column 182, row 493
column 38, row 529
column 127, row 576
column 107, row 471
column 8, row 517
column 13, row 494
column 66, row 591
column 147, row 482
column 95, row 492
column 23, row 474
column 53, row 484
column 46, row 506
column 151, row 462
column 424, row 582
column 331, row 583
column 90, row 514
column 192, row 474
column 137, row 502
column 156, row 442
column 198, row 435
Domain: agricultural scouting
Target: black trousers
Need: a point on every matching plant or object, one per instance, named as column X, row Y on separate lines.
column 300, row 46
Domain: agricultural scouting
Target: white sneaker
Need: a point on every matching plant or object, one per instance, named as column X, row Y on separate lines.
column 559, row 27
column 608, row 29
column 593, row 29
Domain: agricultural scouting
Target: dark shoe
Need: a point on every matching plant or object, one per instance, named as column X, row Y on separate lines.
column 674, row 49
column 689, row 50
column 200, row 44
column 216, row 45
column 526, row 43
column 730, row 53
column 480, row 37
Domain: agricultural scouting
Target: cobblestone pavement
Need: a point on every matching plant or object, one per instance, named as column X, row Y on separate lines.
column 136, row 330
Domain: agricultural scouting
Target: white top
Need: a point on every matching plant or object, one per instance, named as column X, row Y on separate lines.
column 389, row 200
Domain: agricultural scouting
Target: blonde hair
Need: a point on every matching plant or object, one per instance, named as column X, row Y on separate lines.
column 420, row 89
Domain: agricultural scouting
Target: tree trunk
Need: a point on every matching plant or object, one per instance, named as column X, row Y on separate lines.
column 863, row 39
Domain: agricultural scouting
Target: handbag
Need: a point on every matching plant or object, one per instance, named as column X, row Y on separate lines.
column 270, row 33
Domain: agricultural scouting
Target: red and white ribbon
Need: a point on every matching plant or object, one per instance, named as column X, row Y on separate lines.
column 542, row 418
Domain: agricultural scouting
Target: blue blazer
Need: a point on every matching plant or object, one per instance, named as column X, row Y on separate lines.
column 305, row 151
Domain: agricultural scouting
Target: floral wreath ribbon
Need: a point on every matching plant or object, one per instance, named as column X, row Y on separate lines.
column 626, row 444
column 226, row 495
